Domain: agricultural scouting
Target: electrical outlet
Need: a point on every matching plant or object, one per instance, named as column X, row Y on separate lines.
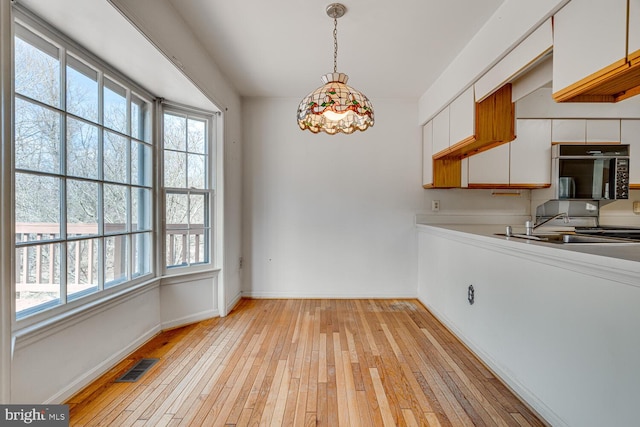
column 435, row 205
column 636, row 207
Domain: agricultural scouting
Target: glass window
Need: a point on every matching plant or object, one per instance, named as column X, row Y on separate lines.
column 188, row 189
column 83, row 177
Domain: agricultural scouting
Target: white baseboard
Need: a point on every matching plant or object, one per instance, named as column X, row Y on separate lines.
column 192, row 318
column 293, row 295
column 102, row 368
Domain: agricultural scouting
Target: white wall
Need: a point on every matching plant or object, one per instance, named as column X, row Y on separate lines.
column 330, row 216
column 52, row 363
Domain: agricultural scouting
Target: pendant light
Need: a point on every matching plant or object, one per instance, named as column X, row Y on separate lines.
column 335, row 107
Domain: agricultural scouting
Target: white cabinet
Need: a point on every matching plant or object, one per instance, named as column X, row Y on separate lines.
column 523, row 163
column 490, row 168
column 427, row 155
column 581, row 131
column 599, row 131
column 630, row 134
column 441, row 131
column 588, row 37
column 462, row 116
column 531, row 154
column 569, row 130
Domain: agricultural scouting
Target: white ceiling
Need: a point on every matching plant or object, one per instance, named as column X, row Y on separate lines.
column 283, row 47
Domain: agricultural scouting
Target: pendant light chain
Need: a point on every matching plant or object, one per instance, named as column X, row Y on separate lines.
column 335, row 44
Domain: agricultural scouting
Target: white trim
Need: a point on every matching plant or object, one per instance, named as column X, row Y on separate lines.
column 232, row 304
column 192, row 318
column 95, row 373
column 6, row 215
column 297, row 295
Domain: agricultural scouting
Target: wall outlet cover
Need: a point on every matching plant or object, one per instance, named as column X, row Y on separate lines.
column 636, row 207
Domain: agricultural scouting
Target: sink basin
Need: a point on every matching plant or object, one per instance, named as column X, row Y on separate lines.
column 569, row 238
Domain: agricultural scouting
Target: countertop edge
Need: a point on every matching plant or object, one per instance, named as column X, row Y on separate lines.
column 620, row 263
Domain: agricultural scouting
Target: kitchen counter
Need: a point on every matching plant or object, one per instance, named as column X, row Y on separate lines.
column 557, row 323
column 487, row 233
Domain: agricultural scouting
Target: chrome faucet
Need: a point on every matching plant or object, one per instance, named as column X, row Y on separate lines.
column 530, row 226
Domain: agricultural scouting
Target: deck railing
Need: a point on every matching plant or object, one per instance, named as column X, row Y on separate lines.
column 37, row 266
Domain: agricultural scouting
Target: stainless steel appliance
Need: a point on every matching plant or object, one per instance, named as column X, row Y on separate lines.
column 592, row 172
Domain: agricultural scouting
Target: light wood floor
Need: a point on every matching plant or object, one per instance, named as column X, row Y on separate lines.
column 306, row 362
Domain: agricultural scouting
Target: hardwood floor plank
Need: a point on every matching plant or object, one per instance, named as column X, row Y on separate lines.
column 305, row 363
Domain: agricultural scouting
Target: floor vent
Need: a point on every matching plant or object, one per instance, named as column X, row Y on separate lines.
column 138, row 370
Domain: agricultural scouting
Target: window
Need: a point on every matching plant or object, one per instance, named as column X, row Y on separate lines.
column 188, row 186
column 83, row 176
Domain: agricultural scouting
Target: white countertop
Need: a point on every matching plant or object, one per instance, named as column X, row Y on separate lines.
column 486, row 233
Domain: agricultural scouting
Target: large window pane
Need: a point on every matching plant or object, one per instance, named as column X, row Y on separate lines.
column 82, row 267
column 176, row 246
column 197, row 136
column 141, row 172
column 115, row 258
column 115, row 157
column 37, row 137
column 197, row 250
column 141, row 249
column 82, row 149
column 140, row 209
column 115, row 208
column 198, row 212
column 175, row 169
column 175, row 132
column 115, row 106
column 37, row 277
column 140, row 119
column 82, row 208
column 177, row 209
column 197, row 174
column 37, row 68
column 37, row 207
column 82, row 89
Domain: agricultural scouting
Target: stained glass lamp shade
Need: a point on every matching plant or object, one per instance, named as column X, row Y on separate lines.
column 335, row 107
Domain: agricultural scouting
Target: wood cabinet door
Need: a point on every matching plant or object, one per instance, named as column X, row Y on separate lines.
column 630, row 134
column 427, row 154
column 589, row 36
column 490, row 167
column 441, row 131
column 531, row 153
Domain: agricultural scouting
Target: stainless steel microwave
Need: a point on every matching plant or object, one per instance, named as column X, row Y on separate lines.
column 593, row 172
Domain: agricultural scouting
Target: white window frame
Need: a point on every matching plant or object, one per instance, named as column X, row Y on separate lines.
column 43, row 30
column 211, row 180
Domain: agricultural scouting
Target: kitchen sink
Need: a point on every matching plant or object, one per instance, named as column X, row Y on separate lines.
column 569, row 238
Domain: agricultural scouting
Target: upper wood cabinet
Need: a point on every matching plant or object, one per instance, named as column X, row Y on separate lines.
column 591, row 62
column 492, row 120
